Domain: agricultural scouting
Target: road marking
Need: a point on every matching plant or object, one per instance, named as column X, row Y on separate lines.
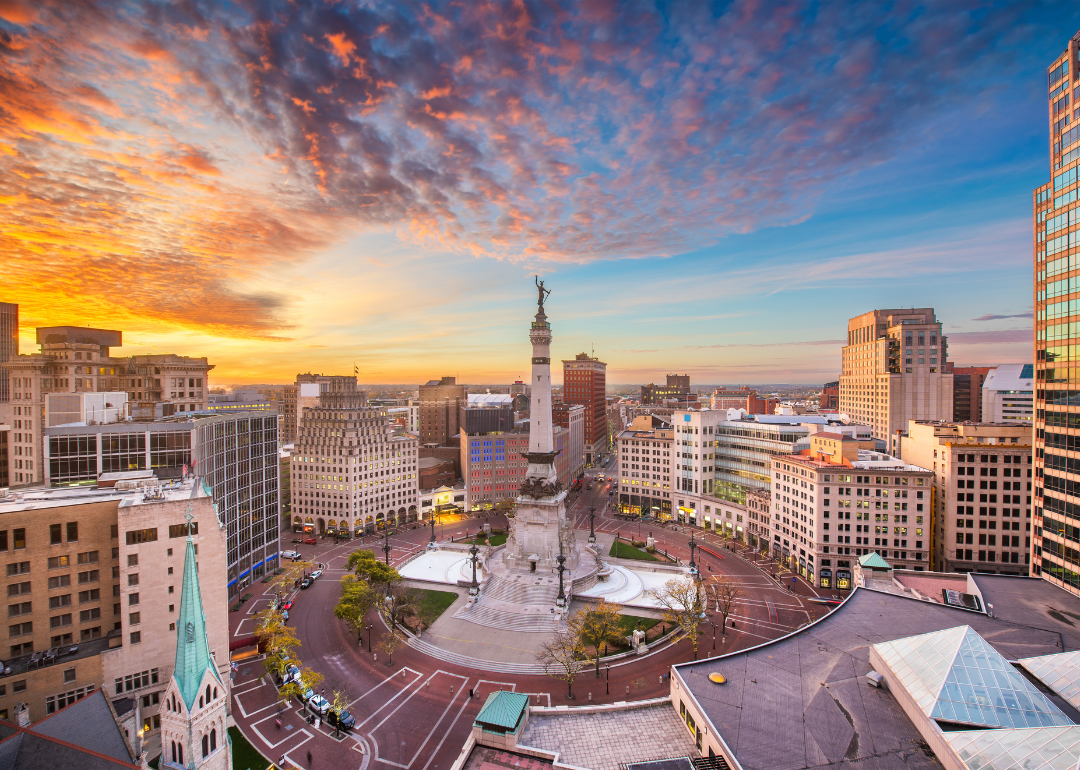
column 457, row 694
column 401, row 692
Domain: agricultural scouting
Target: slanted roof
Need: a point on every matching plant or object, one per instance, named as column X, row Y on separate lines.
column 954, row 675
column 90, row 724
column 873, row 561
column 192, row 646
column 503, row 710
column 1047, row 748
column 1061, row 673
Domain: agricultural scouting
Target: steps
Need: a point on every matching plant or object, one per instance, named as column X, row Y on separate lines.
column 523, row 589
column 523, row 603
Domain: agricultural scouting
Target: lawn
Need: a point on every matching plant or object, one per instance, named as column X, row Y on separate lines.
column 623, row 550
column 630, row 622
column 492, row 540
column 432, row 604
column 244, row 755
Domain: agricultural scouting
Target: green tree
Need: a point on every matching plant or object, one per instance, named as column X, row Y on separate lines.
column 297, row 686
column 562, row 656
column 682, row 602
column 338, row 704
column 366, row 566
column 601, row 625
column 357, row 597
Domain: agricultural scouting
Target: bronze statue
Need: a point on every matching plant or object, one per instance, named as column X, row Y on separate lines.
column 538, row 488
column 542, row 292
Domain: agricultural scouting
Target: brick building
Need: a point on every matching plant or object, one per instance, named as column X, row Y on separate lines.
column 585, row 383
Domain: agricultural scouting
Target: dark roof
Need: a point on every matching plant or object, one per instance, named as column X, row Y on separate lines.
column 83, row 736
column 1033, row 602
column 802, row 701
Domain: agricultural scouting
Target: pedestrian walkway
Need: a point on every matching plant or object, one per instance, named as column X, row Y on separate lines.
column 601, row 741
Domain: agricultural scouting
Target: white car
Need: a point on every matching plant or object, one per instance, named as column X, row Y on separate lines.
column 292, row 673
column 290, row 555
column 318, row 704
column 316, row 574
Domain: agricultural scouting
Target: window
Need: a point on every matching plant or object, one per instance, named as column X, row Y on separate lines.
column 21, row 629
column 59, row 621
column 133, row 599
column 18, row 568
column 89, row 634
column 88, row 557
column 133, row 579
column 180, row 530
column 90, row 576
column 73, row 531
column 18, row 589
column 136, row 536
column 69, row 675
column 56, row 602
column 59, row 581
column 55, row 534
column 60, row 640
column 54, row 703
column 19, row 686
column 133, row 560
column 94, row 613
column 136, row 681
column 93, row 595
column 18, row 650
column 23, row 608
column 3, row 540
column 19, row 536
column 135, row 637
column 56, row 562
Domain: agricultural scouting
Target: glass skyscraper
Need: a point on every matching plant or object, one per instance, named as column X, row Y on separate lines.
column 1056, row 479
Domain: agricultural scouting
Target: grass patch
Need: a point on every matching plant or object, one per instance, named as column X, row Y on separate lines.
column 497, row 539
column 244, row 755
column 622, row 550
column 432, row 604
column 630, row 622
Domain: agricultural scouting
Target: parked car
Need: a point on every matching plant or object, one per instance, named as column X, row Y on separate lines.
column 309, row 541
column 316, row 574
column 285, row 616
column 306, row 582
column 287, row 606
column 292, row 673
column 318, row 704
column 343, row 721
column 297, row 540
column 290, row 555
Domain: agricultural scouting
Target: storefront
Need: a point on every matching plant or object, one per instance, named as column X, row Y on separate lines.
column 825, row 581
column 843, row 578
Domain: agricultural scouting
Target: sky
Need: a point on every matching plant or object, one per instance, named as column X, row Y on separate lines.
column 706, row 188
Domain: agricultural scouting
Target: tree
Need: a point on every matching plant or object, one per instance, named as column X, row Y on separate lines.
column 277, row 640
column 357, row 597
column 399, row 603
column 725, row 592
column 297, row 686
column 390, row 642
column 683, row 604
column 562, row 656
column 291, row 572
column 366, row 566
column 338, row 705
column 601, row 625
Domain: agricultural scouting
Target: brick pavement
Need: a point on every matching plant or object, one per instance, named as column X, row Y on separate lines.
column 601, row 741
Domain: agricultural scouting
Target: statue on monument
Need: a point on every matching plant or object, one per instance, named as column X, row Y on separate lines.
column 543, row 293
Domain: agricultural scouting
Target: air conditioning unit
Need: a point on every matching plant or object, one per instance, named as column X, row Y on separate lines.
column 874, row 679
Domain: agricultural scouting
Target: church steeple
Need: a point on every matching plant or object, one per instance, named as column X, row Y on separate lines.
column 192, row 646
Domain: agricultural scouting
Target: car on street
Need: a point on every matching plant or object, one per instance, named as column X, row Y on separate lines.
column 342, row 721
column 285, row 616
column 290, row 555
column 297, row 540
column 306, row 582
column 318, row 704
column 292, row 673
column 316, row 574
column 309, row 541
column 287, row 606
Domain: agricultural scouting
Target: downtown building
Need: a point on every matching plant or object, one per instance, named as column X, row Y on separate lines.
column 1008, row 394
column 842, row 500
column 78, row 360
column 98, row 573
column 440, row 403
column 982, row 493
column 305, row 392
column 967, row 391
column 1055, row 552
column 493, row 465
column 235, row 456
column 352, row 472
column 675, row 390
column 894, row 370
column 9, row 345
column 585, row 384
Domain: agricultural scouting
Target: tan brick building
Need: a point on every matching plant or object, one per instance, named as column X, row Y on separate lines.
column 440, row 403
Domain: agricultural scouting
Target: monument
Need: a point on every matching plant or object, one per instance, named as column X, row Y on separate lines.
column 540, row 526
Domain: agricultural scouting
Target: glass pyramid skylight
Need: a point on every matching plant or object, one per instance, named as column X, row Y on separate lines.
column 1061, row 673
column 956, row 676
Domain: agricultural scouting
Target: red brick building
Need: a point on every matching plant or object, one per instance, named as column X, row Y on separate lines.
column 585, row 383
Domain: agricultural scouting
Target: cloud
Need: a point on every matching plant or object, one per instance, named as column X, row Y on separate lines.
column 163, row 160
column 991, row 317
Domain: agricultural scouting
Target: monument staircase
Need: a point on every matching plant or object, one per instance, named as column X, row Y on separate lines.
column 516, row 602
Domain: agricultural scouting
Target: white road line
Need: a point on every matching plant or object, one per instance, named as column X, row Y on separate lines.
column 383, row 706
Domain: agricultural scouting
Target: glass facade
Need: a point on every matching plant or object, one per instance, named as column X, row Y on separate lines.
column 1055, row 551
column 744, row 453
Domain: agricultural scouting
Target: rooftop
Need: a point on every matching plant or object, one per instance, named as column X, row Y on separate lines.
column 150, row 490
column 802, row 701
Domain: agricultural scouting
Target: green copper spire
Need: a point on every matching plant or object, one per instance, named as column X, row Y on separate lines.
column 192, row 646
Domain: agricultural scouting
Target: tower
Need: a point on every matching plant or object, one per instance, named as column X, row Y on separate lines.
column 540, row 525
column 193, row 729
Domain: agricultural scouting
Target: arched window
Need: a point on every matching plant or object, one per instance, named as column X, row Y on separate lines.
column 215, row 693
column 200, row 701
column 174, row 751
column 180, row 753
column 213, row 739
column 205, row 745
column 207, row 693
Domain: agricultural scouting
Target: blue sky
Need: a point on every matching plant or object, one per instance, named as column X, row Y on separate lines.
column 710, row 189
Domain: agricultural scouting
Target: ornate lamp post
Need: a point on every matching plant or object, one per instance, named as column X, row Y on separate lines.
column 474, row 587
column 386, row 548
column 693, row 566
column 560, row 600
column 432, row 541
column 592, row 529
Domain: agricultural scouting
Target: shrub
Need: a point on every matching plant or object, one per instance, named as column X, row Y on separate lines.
column 650, row 549
column 637, row 543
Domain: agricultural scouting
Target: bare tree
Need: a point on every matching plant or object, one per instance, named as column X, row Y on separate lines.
column 682, row 602
column 562, row 656
column 390, row 642
column 725, row 592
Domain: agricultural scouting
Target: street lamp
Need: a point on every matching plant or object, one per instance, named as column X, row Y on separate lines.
column 560, row 600
column 474, row 588
column 433, row 528
column 386, row 548
column 592, row 529
column 369, row 627
column 693, row 566
column 711, row 623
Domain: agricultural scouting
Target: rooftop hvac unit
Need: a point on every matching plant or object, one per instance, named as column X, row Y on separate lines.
column 874, row 679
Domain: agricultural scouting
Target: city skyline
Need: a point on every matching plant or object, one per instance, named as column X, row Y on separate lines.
column 362, row 200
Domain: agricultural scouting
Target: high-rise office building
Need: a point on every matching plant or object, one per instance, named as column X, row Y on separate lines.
column 440, row 401
column 1056, row 213
column 585, row 383
column 894, row 370
column 306, row 392
column 676, row 389
column 9, row 344
column 967, row 392
column 1008, row 394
